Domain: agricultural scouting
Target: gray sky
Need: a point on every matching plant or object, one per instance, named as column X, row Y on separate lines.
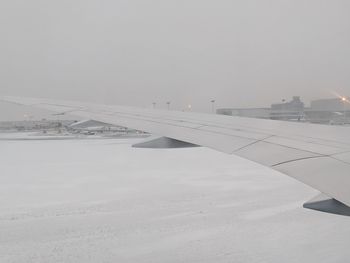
column 243, row 53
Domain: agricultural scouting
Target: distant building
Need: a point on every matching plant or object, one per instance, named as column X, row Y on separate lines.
column 331, row 105
column 33, row 125
column 263, row 113
column 293, row 110
column 295, row 105
column 91, row 127
column 329, row 111
column 326, row 111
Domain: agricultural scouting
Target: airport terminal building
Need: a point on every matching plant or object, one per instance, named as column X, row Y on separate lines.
column 325, row 111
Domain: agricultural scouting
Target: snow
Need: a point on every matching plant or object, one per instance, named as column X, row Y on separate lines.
column 104, row 201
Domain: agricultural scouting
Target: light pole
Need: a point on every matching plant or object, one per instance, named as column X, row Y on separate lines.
column 283, row 117
column 168, row 105
column 212, row 106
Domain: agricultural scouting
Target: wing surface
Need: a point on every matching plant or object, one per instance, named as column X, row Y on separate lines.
column 317, row 155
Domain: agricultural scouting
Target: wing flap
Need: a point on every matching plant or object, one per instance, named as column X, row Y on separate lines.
column 326, row 174
column 269, row 154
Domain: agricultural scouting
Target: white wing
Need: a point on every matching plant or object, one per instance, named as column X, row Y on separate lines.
column 316, row 155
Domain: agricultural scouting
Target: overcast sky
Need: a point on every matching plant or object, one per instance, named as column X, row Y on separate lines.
column 243, row 53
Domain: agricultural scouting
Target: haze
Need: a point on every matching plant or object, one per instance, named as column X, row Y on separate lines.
column 133, row 52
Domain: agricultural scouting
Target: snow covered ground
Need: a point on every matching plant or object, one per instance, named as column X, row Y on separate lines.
column 103, row 201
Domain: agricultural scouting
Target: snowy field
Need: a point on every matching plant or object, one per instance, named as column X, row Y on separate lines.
column 104, row 201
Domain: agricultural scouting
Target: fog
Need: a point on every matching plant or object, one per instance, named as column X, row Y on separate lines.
column 245, row 53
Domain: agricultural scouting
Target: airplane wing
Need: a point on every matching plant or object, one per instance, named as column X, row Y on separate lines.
column 317, row 155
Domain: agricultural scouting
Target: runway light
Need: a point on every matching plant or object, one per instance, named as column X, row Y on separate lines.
column 343, row 99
